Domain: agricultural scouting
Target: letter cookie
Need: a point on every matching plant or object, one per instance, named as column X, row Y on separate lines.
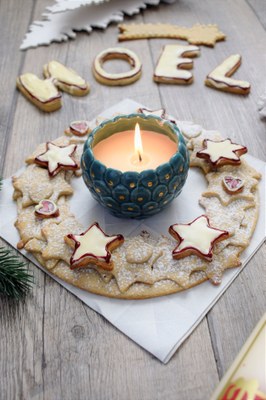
column 197, row 237
column 56, row 158
column 122, row 78
column 198, row 34
column 172, row 66
column 66, row 79
column 93, row 247
column 222, row 152
column 220, row 79
column 42, row 93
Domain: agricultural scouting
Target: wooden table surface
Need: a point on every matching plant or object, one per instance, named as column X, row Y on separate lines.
column 51, row 345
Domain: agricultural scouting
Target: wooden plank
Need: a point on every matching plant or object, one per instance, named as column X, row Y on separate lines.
column 259, row 8
column 19, row 322
column 88, row 358
column 11, row 61
column 21, row 342
column 234, row 316
column 54, row 346
column 238, row 311
column 22, row 333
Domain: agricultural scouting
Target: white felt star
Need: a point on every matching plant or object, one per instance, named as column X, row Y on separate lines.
column 222, row 152
column 197, row 237
column 94, row 246
column 57, row 157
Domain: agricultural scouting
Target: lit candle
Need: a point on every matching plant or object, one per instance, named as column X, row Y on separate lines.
column 135, row 150
column 135, row 173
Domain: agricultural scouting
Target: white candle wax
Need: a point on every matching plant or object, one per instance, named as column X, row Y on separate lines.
column 117, row 151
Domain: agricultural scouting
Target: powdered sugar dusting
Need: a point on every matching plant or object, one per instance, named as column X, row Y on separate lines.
column 143, row 265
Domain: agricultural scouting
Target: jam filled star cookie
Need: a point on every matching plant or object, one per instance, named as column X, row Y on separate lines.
column 93, row 247
column 230, row 187
column 197, row 237
column 222, row 152
column 30, row 226
column 233, row 184
column 57, row 158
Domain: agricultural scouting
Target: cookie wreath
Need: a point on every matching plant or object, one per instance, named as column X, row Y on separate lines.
column 142, row 266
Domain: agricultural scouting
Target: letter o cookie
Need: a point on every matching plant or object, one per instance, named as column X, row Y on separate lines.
column 118, row 79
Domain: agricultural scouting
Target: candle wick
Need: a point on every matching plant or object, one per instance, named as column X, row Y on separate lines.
column 140, row 158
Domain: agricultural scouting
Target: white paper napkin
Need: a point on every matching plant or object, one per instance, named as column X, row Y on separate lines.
column 159, row 325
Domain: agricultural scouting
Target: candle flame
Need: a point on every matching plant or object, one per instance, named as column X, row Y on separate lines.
column 138, row 143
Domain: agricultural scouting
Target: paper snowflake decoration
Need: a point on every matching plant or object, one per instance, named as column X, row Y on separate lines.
column 66, row 17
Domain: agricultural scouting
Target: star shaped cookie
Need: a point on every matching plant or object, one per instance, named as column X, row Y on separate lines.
column 30, row 227
column 56, row 158
column 197, row 237
column 34, row 185
column 207, row 35
column 93, row 246
column 158, row 113
column 189, row 129
column 56, row 247
column 222, row 152
column 217, row 188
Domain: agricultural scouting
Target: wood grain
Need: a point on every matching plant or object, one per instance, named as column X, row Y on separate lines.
column 54, row 347
column 11, row 62
column 259, row 6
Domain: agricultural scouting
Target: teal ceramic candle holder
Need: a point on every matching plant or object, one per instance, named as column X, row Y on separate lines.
column 135, row 194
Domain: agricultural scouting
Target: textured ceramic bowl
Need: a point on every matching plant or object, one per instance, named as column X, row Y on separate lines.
column 135, row 194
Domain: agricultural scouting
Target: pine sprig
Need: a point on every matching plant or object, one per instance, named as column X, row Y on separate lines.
column 15, row 279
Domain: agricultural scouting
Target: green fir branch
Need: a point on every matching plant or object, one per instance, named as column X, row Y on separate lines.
column 15, row 279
